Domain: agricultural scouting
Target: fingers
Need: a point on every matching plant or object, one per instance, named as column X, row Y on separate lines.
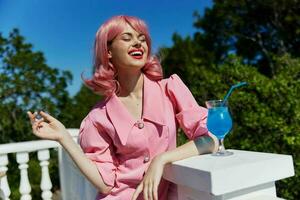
column 47, row 116
column 148, row 191
column 34, row 117
column 145, row 192
column 137, row 191
column 37, row 125
column 31, row 117
column 155, row 189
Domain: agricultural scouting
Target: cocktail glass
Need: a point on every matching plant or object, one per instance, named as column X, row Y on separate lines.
column 219, row 123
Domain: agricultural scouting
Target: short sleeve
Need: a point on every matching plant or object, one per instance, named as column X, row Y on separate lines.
column 190, row 116
column 97, row 146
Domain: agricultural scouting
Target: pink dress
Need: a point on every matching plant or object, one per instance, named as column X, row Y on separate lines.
column 122, row 148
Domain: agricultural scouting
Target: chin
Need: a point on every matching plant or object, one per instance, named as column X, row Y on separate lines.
column 140, row 64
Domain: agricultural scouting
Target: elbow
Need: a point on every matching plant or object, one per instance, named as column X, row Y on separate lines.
column 206, row 144
column 105, row 190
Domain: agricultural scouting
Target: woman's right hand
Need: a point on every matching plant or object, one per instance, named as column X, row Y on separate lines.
column 47, row 127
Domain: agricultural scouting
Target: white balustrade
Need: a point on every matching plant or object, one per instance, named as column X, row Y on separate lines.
column 25, row 188
column 4, row 187
column 245, row 175
column 22, row 149
column 46, row 185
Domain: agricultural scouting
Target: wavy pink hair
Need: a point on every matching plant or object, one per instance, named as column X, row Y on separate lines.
column 104, row 80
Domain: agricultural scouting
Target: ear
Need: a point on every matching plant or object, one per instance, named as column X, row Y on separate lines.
column 109, row 55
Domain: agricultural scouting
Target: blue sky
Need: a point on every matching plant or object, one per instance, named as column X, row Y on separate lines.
column 64, row 30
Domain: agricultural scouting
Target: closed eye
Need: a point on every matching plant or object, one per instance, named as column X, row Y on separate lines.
column 128, row 36
column 142, row 38
column 126, row 39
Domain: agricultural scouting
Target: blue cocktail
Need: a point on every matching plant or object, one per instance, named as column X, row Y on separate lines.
column 219, row 123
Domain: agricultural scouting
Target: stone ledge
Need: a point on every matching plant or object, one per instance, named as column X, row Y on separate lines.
column 265, row 197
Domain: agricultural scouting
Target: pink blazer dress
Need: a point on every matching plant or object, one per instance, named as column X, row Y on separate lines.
column 122, row 148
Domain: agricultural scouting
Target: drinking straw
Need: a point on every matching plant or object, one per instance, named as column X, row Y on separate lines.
column 232, row 88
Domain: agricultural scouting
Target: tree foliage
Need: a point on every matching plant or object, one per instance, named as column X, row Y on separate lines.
column 237, row 40
column 257, row 42
column 79, row 107
column 266, row 113
column 27, row 83
column 255, row 30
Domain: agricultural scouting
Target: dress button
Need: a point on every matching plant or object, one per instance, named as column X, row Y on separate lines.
column 140, row 125
column 146, row 159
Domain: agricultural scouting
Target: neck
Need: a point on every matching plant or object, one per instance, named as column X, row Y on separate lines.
column 131, row 83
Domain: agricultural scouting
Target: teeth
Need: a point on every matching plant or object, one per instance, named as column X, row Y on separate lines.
column 136, row 53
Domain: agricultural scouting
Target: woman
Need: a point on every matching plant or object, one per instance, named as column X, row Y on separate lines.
column 128, row 138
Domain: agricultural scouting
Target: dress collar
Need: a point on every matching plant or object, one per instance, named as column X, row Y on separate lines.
column 153, row 109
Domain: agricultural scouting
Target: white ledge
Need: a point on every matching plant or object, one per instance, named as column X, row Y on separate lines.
column 27, row 146
column 31, row 146
column 224, row 175
column 245, row 175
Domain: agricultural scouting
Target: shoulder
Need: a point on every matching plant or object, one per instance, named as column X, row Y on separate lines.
column 172, row 83
column 98, row 109
column 178, row 93
column 96, row 114
column 173, row 79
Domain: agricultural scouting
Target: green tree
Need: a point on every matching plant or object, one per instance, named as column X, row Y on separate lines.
column 79, row 107
column 222, row 53
column 266, row 113
column 27, row 83
column 252, row 29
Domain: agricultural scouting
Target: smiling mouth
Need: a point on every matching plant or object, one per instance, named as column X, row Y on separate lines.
column 137, row 54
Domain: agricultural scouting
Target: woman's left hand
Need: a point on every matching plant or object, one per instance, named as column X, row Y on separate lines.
column 150, row 183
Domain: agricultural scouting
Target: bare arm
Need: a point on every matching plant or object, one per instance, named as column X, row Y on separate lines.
column 149, row 185
column 201, row 145
column 86, row 166
column 52, row 129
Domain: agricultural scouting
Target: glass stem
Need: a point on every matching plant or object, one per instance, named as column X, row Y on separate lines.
column 221, row 145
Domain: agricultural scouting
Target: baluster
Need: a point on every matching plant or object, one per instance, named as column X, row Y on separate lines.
column 25, row 188
column 3, row 180
column 46, row 185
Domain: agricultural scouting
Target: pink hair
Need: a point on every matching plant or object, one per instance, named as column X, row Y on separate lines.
column 104, row 80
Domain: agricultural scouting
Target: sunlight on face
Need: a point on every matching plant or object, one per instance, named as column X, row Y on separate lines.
column 129, row 50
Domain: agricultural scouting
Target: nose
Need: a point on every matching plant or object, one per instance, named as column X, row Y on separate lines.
column 137, row 43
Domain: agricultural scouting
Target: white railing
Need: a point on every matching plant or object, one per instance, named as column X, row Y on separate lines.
column 244, row 175
column 22, row 150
